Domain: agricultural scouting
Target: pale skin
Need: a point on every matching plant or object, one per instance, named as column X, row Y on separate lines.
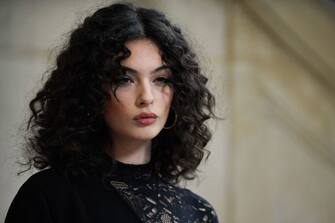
column 144, row 88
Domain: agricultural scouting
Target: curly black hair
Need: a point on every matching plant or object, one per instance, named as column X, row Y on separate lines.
column 66, row 129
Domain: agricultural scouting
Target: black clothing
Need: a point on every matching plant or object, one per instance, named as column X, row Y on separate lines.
column 132, row 193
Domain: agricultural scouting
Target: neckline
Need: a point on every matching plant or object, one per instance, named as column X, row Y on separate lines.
column 129, row 168
column 130, row 172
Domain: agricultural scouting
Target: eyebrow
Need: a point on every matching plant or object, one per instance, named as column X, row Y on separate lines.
column 133, row 71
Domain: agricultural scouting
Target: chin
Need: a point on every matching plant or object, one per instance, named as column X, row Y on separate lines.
column 146, row 134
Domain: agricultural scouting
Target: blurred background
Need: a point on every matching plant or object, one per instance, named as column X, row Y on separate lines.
column 271, row 66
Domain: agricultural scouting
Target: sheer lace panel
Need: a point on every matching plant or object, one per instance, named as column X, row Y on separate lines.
column 154, row 200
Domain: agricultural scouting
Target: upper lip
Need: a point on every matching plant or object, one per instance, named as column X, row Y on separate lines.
column 145, row 115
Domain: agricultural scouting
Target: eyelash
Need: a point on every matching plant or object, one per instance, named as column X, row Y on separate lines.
column 126, row 80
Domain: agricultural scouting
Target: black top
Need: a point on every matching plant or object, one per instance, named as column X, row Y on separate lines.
column 132, row 193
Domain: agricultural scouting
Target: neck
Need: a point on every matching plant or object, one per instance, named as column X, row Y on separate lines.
column 130, row 152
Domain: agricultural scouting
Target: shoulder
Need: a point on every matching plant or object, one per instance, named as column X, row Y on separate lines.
column 200, row 205
column 43, row 175
column 46, row 184
column 32, row 203
column 44, row 179
column 47, row 189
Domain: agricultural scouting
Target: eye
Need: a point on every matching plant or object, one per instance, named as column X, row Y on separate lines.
column 124, row 80
column 163, row 80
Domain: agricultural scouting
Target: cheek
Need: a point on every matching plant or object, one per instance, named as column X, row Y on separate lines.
column 115, row 108
column 167, row 96
column 124, row 98
column 111, row 112
column 115, row 114
column 169, row 92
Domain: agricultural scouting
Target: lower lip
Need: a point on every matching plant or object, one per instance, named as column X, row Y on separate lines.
column 145, row 121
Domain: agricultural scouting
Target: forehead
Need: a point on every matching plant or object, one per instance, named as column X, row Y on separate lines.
column 138, row 45
column 145, row 54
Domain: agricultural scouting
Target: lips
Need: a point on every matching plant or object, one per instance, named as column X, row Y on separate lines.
column 145, row 116
column 144, row 119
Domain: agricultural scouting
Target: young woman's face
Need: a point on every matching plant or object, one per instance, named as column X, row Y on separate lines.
column 144, row 94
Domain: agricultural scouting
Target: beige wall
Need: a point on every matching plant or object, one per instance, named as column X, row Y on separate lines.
column 280, row 61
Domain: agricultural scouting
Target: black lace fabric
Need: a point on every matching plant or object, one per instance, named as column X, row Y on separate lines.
column 154, row 200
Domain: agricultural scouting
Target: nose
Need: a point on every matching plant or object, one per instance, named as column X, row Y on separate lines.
column 145, row 96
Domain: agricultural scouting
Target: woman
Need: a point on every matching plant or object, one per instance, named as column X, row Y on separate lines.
column 118, row 123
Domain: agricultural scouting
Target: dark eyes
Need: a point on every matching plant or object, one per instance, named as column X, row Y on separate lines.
column 125, row 80
column 164, row 80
